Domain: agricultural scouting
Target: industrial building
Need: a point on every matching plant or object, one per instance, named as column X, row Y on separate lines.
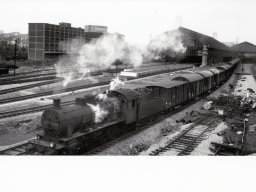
column 197, row 44
column 245, row 50
column 49, row 41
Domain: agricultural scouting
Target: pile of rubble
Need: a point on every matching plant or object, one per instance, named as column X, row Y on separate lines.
column 237, row 112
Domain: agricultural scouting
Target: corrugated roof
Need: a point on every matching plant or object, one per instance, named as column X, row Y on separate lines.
column 128, row 94
column 244, row 47
column 194, row 39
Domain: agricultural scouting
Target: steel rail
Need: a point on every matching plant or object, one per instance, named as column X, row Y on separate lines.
column 179, row 137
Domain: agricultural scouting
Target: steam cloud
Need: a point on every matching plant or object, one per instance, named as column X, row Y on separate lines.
column 167, row 44
column 100, row 114
column 103, row 52
column 115, row 82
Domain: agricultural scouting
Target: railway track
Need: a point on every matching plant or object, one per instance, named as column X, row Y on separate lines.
column 19, row 149
column 30, row 110
column 25, row 97
column 5, row 91
column 26, row 73
column 28, row 80
column 187, row 140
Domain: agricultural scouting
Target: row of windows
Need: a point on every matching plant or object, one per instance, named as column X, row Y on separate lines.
column 45, row 33
column 47, row 40
column 59, row 31
column 52, row 40
column 35, row 54
column 36, row 45
column 34, row 26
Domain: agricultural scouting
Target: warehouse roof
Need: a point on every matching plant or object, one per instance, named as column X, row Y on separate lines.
column 245, row 47
column 194, row 39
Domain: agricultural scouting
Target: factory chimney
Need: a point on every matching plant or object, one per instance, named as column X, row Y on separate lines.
column 56, row 103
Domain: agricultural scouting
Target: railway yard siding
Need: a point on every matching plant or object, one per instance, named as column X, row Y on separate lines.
column 8, row 126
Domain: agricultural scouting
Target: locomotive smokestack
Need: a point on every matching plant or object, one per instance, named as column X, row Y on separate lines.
column 56, row 103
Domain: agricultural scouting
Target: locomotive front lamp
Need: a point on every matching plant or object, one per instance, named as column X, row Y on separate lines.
column 51, row 144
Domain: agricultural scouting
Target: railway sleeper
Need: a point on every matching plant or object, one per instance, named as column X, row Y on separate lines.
column 185, row 141
column 178, row 147
column 175, row 146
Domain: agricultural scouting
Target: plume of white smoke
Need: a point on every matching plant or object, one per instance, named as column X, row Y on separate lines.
column 98, row 54
column 115, row 82
column 102, row 96
column 168, row 44
column 100, row 114
column 104, row 51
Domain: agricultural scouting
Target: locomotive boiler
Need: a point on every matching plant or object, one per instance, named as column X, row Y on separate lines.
column 87, row 112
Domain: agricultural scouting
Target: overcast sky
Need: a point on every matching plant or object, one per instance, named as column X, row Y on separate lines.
column 137, row 19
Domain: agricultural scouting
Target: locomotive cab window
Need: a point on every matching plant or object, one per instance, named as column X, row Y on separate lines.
column 133, row 103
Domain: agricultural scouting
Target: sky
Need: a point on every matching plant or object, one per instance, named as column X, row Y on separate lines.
column 138, row 20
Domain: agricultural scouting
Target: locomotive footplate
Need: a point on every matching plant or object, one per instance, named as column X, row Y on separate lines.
column 47, row 144
column 87, row 132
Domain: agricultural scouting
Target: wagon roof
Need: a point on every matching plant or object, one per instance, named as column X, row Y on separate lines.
column 128, row 94
column 228, row 66
column 134, row 85
column 222, row 67
column 214, row 70
column 190, row 77
column 167, row 84
column 205, row 73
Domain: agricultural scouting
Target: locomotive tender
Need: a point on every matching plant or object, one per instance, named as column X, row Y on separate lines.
column 93, row 120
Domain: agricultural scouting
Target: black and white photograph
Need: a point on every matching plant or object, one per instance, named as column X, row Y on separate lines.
column 129, row 79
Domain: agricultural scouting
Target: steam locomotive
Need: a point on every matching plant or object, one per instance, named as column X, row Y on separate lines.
column 93, row 120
